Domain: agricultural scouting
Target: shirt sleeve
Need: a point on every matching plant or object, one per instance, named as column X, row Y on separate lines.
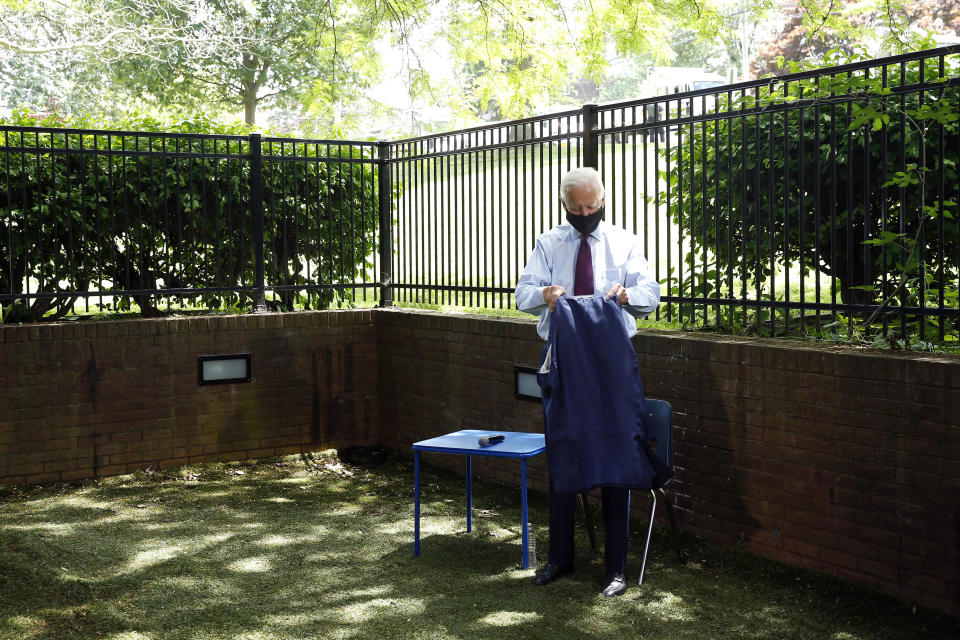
column 643, row 292
column 536, row 276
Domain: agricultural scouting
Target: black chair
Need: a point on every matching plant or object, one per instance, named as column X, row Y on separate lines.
column 660, row 434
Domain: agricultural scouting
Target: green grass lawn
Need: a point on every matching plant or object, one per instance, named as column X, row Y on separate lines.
column 310, row 547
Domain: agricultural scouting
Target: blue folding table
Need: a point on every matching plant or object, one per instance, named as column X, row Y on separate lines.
column 515, row 444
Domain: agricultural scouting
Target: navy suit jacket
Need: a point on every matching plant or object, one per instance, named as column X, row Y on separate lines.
column 593, row 401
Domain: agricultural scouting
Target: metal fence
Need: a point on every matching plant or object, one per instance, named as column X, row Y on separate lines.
column 116, row 218
column 800, row 200
column 471, row 204
column 805, row 200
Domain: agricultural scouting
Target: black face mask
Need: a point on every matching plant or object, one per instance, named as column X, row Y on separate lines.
column 586, row 224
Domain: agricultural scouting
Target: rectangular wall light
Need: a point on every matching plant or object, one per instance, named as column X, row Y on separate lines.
column 526, row 386
column 223, row 369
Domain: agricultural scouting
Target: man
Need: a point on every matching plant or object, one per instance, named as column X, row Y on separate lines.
column 584, row 257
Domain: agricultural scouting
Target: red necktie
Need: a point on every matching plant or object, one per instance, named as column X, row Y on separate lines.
column 583, row 276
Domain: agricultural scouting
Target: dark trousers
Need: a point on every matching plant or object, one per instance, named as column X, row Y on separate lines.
column 616, row 522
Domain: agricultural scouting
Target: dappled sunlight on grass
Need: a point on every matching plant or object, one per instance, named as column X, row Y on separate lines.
column 218, row 494
column 24, row 624
column 158, row 553
column 85, row 500
column 213, row 538
column 366, row 592
column 350, row 596
column 667, row 606
column 282, row 541
column 182, row 582
column 435, row 526
column 48, row 528
column 295, row 548
column 398, row 527
column 325, row 558
column 510, row 618
column 508, row 574
column 365, row 610
column 250, row 565
column 149, row 557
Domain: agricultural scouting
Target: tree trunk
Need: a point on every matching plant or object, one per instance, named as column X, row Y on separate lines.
column 250, row 89
column 250, row 108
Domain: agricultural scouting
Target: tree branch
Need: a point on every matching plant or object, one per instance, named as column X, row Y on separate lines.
column 825, row 16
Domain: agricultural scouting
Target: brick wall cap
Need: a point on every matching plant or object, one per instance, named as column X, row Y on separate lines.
column 796, row 345
column 459, row 316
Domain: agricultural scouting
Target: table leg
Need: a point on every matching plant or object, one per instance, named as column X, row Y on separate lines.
column 416, row 503
column 523, row 508
column 469, row 494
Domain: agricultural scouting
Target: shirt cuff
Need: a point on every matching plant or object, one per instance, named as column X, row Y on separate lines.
column 638, row 302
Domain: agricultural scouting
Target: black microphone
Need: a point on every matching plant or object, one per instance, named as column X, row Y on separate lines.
column 486, row 441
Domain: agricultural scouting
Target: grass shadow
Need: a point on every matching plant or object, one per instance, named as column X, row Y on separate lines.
column 314, row 548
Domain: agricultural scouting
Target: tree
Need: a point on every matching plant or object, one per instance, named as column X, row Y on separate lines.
column 71, row 51
column 65, row 83
column 809, row 30
column 318, row 56
column 206, row 55
column 521, row 55
column 506, row 54
column 284, row 53
column 229, row 54
column 105, row 29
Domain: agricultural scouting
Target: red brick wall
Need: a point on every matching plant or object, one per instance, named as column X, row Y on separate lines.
column 441, row 373
column 845, row 462
column 839, row 461
column 79, row 400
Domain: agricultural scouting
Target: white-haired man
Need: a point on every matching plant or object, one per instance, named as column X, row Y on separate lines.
column 583, row 257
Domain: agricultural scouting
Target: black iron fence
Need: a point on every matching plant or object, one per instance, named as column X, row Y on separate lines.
column 810, row 199
column 471, row 204
column 112, row 219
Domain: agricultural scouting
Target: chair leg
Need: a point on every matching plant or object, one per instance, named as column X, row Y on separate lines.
column 646, row 547
column 673, row 526
column 588, row 518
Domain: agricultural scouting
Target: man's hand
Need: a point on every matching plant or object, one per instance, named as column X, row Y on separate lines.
column 552, row 293
column 616, row 290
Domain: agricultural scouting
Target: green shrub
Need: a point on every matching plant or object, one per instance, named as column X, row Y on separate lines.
column 846, row 175
column 177, row 220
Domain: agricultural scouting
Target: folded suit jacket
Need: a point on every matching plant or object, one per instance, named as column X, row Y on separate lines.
column 593, row 401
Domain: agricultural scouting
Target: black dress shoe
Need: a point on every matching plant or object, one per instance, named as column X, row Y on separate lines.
column 549, row 573
column 615, row 585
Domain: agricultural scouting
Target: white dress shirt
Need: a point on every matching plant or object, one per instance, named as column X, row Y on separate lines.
column 617, row 258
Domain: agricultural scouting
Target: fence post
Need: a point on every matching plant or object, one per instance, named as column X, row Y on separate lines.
column 591, row 150
column 256, row 213
column 385, row 213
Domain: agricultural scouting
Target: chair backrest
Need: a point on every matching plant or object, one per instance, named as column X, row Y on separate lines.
column 659, row 429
